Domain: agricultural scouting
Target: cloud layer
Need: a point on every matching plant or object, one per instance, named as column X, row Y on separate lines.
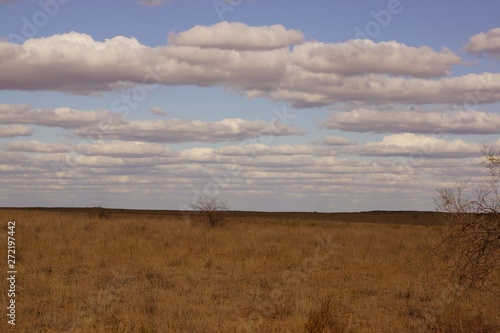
column 268, row 61
column 363, row 56
column 119, row 168
column 104, row 125
column 15, row 130
column 182, row 130
column 64, row 117
column 409, row 144
column 415, row 120
column 387, row 87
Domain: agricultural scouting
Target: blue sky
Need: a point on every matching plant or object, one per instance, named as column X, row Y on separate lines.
column 274, row 105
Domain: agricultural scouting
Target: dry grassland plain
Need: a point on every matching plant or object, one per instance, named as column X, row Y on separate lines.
column 95, row 270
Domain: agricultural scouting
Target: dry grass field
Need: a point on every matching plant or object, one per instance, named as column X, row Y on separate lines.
column 94, row 270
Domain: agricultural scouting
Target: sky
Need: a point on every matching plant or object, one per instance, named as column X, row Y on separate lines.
column 328, row 106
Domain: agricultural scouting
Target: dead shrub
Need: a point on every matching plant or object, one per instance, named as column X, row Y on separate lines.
column 209, row 211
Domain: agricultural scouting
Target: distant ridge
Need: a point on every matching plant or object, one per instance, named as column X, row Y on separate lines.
column 374, row 216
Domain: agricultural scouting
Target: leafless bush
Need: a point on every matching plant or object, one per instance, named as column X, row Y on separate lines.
column 470, row 240
column 209, row 210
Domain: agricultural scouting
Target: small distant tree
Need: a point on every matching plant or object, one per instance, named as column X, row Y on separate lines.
column 470, row 240
column 209, row 210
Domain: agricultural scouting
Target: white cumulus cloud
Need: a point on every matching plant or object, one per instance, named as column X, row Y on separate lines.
column 159, row 111
column 183, row 130
column 153, row 3
column 421, row 146
column 485, row 43
column 35, row 146
column 416, row 120
column 237, row 36
column 64, row 117
column 15, row 130
column 123, row 149
column 331, row 140
column 363, row 56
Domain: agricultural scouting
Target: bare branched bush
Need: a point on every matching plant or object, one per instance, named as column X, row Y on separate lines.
column 209, row 211
column 470, row 240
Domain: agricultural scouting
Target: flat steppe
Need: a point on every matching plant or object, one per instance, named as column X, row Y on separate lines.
column 106, row 270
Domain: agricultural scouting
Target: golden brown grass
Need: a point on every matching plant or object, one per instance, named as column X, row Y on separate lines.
column 105, row 271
